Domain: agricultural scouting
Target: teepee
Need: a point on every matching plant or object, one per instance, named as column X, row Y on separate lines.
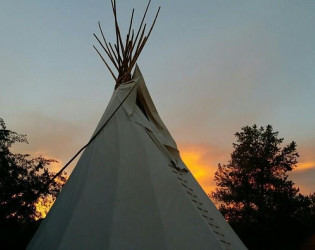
column 130, row 189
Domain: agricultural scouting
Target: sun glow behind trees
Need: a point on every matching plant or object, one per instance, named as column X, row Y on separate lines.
column 43, row 206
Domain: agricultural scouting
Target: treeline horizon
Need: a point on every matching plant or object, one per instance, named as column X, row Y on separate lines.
column 253, row 191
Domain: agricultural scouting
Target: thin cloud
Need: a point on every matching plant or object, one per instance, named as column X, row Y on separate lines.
column 304, row 166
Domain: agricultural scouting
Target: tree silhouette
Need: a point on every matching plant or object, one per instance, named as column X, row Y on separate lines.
column 254, row 192
column 23, row 181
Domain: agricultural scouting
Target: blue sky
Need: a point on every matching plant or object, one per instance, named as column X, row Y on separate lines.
column 211, row 67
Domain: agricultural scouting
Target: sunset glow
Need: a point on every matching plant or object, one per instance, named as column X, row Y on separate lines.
column 195, row 159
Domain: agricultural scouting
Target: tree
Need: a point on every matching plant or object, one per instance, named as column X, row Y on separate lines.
column 254, row 191
column 23, row 182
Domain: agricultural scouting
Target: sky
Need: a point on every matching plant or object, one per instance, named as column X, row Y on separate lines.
column 211, row 67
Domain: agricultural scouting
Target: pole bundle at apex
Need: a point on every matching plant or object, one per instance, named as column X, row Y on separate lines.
column 124, row 55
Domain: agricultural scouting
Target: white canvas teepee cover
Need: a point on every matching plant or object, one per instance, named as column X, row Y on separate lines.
column 131, row 190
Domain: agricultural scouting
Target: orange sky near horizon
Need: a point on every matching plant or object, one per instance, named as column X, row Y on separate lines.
column 203, row 168
column 201, row 161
